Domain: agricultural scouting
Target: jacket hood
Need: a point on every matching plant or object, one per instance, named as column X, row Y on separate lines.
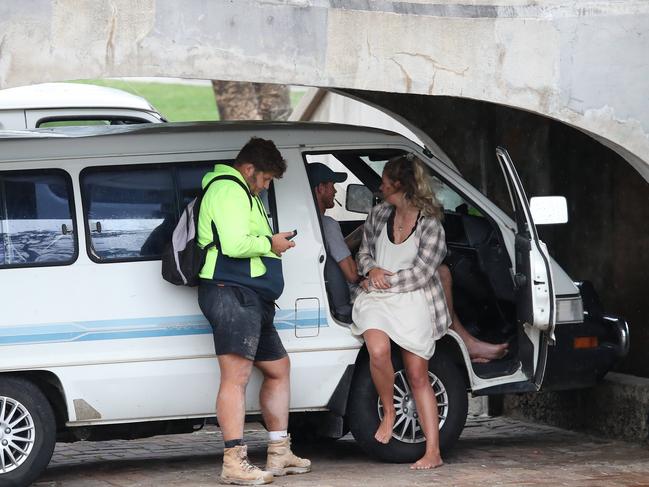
column 219, row 170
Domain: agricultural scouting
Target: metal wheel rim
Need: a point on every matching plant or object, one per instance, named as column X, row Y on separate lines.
column 407, row 428
column 17, row 434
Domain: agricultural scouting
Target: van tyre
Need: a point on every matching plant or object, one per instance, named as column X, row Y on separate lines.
column 27, row 434
column 363, row 410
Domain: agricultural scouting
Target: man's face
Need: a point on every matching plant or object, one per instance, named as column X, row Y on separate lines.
column 260, row 181
column 326, row 193
column 257, row 180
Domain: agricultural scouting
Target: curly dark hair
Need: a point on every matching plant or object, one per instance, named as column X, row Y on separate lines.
column 263, row 155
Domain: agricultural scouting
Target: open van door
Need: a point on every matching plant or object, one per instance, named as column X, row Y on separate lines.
column 535, row 299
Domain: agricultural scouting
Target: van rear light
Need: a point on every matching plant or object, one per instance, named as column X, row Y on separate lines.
column 570, row 310
column 586, row 342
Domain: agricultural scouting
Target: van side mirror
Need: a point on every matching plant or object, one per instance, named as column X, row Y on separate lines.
column 359, row 198
column 548, row 210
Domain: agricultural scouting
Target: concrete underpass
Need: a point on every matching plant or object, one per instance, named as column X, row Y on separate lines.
column 562, row 85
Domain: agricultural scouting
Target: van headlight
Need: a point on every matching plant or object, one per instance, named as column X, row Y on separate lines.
column 570, row 310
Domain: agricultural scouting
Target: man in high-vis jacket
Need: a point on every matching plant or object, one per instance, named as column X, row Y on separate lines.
column 240, row 281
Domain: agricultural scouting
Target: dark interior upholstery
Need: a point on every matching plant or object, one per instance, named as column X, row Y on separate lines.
column 337, row 291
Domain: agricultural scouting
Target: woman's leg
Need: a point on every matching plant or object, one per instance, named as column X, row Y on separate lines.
column 479, row 351
column 378, row 346
column 417, row 373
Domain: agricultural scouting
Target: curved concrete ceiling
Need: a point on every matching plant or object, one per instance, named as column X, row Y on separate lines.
column 583, row 63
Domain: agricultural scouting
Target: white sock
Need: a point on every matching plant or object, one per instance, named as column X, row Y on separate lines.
column 277, row 435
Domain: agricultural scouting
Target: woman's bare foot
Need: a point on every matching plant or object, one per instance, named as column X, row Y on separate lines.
column 482, row 352
column 428, row 461
column 384, row 432
column 480, row 360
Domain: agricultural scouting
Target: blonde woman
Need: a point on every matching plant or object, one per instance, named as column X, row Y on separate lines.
column 403, row 299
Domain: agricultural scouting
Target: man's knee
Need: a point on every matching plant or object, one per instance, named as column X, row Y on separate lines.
column 276, row 369
column 235, row 370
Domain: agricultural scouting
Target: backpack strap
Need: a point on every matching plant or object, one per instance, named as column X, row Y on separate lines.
column 215, row 234
column 230, row 177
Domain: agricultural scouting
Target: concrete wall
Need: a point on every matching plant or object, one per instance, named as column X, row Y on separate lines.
column 616, row 408
column 583, row 63
column 319, row 105
column 606, row 239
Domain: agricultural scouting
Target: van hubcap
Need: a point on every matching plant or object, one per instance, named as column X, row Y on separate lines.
column 406, row 424
column 17, row 434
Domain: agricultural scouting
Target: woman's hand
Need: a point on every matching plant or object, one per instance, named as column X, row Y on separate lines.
column 377, row 278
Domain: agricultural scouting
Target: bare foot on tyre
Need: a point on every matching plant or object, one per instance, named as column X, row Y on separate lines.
column 428, row 461
column 384, row 432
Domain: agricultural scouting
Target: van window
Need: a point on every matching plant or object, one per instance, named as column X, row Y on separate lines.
column 450, row 199
column 190, row 178
column 36, row 218
column 339, row 212
column 130, row 211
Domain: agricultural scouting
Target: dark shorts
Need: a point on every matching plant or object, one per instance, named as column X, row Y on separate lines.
column 241, row 321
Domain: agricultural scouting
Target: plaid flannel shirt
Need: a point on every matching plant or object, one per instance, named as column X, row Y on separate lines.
column 431, row 244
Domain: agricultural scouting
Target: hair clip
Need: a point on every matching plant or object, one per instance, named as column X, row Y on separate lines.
column 410, row 156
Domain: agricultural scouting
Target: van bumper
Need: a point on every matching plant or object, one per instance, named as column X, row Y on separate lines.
column 621, row 328
column 570, row 367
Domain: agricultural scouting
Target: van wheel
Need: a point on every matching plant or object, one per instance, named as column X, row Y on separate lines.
column 27, row 432
column 365, row 410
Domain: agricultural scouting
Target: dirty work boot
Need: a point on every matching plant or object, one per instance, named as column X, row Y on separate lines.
column 281, row 461
column 237, row 469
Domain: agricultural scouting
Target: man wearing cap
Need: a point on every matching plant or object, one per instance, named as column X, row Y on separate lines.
column 322, row 181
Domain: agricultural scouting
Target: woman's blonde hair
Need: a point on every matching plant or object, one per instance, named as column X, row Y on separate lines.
column 412, row 176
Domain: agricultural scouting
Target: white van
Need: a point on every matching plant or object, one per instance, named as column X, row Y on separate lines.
column 56, row 104
column 95, row 345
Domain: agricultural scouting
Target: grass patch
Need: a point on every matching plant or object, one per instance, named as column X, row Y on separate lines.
column 175, row 101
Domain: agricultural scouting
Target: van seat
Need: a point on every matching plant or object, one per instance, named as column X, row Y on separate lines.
column 337, row 291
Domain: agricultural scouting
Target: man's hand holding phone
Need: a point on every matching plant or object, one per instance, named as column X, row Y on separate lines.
column 281, row 242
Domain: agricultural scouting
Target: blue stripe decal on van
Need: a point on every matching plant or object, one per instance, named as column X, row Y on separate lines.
column 164, row 326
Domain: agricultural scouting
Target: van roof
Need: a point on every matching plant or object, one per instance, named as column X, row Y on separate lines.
column 70, row 95
column 182, row 137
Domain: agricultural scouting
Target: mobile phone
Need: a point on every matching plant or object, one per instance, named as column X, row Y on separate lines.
column 292, row 236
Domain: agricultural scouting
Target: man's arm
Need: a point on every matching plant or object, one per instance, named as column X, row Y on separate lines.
column 338, row 249
column 348, row 266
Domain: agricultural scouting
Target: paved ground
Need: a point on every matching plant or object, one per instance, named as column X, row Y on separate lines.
column 491, row 451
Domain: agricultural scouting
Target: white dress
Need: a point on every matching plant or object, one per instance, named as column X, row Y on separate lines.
column 404, row 317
